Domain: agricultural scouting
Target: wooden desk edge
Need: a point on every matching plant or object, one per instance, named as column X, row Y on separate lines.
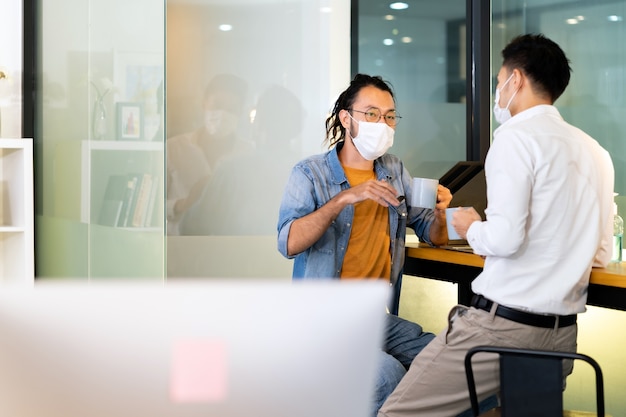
column 612, row 276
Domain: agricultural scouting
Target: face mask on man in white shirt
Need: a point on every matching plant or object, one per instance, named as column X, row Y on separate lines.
column 503, row 114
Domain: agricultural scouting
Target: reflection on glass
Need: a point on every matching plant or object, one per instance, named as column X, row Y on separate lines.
column 229, row 160
column 243, row 193
column 192, row 156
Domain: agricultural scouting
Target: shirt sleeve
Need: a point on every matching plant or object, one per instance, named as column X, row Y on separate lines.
column 509, row 174
column 605, row 249
column 298, row 201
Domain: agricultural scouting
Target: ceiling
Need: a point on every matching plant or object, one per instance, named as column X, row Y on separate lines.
column 449, row 9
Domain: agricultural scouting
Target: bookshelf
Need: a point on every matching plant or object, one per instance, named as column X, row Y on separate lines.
column 17, row 262
column 84, row 193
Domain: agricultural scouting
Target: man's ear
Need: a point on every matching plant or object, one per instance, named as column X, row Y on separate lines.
column 518, row 78
column 344, row 118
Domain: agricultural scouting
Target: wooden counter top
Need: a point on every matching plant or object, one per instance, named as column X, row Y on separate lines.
column 613, row 275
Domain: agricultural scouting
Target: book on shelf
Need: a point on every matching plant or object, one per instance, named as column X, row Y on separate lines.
column 131, row 200
column 154, row 193
column 142, row 201
column 113, row 201
column 130, row 196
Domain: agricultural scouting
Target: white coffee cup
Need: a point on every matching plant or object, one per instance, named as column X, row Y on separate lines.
column 452, row 234
column 424, row 192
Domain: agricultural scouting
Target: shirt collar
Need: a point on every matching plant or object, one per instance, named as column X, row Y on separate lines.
column 546, row 109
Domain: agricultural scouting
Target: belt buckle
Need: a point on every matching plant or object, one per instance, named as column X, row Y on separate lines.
column 482, row 303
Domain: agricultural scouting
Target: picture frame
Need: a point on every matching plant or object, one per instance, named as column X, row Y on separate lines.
column 139, row 77
column 129, row 120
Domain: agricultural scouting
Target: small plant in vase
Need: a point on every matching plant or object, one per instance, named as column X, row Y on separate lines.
column 99, row 115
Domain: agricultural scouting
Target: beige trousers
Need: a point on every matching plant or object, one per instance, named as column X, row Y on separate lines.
column 436, row 385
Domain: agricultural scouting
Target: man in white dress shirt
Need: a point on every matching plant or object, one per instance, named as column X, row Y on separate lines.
column 548, row 222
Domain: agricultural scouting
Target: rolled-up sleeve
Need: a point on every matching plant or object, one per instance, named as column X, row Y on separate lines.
column 298, row 201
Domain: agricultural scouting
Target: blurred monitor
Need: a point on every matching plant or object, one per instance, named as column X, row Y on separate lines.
column 212, row 348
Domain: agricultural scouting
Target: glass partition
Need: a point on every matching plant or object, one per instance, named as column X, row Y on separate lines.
column 421, row 51
column 258, row 77
column 249, row 85
column 99, row 139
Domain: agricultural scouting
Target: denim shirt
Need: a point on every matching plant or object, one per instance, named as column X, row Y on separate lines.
column 317, row 179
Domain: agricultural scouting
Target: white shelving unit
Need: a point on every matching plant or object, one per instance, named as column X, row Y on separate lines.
column 17, row 260
column 83, row 187
column 89, row 148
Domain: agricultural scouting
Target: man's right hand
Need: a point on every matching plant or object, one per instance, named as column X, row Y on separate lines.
column 379, row 191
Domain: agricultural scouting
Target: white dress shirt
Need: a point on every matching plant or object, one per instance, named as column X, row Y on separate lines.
column 549, row 215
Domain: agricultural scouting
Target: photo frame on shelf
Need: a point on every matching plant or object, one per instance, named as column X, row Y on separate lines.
column 138, row 77
column 130, row 121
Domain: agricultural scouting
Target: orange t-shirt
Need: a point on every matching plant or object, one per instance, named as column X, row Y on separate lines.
column 367, row 255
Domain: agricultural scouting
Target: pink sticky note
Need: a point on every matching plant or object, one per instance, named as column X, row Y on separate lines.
column 199, row 371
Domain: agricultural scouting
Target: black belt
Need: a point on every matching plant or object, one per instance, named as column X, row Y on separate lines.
column 530, row 319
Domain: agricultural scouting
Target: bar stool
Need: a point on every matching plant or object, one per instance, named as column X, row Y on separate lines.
column 531, row 383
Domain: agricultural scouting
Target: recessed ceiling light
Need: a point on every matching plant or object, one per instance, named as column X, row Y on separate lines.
column 399, row 6
column 406, row 39
column 614, row 18
column 390, row 17
column 572, row 21
column 226, row 27
column 388, row 42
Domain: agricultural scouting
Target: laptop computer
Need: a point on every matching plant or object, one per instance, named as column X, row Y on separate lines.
column 207, row 348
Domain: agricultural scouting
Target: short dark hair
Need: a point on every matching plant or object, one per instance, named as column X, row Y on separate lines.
column 335, row 132
column 541, row 60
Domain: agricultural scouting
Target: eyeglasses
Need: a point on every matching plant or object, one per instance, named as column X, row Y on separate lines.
column 373, row 115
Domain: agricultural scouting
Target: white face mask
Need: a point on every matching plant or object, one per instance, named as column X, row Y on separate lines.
column 503, row 114
column 220, row 123
column 373, row 140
